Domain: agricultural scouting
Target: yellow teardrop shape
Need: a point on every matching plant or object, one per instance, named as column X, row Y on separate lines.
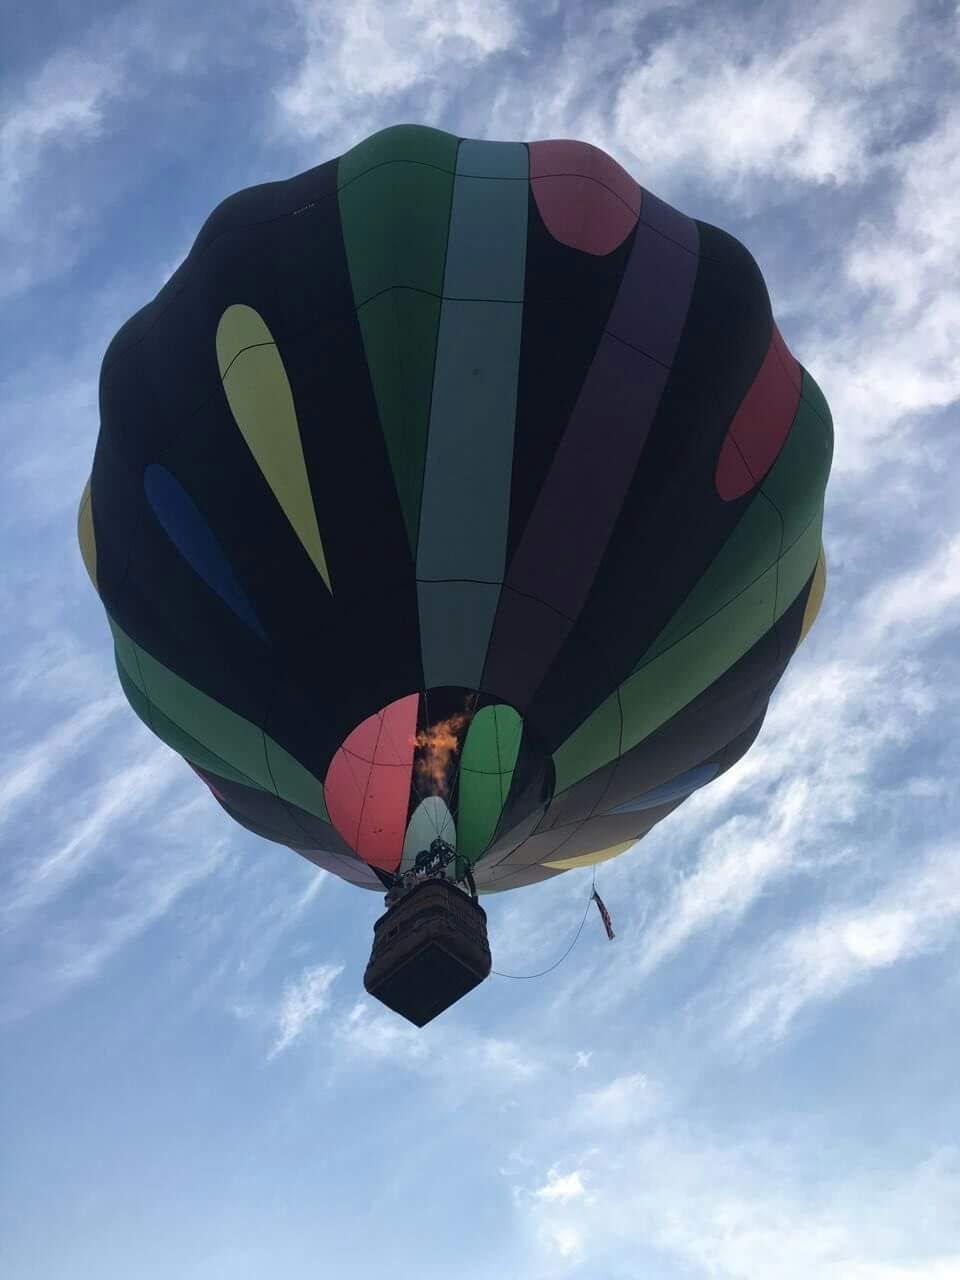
column 815, row 598
column 261, row 401
column 86, row 536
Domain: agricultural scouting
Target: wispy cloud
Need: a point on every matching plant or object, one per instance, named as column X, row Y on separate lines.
column 91, row 821
column 916, row 912
column 304, row 1000
column 25, row 772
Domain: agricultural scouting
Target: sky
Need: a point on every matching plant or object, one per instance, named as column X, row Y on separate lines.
column 760, row 1076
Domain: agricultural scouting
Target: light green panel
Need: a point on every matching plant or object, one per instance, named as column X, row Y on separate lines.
column 261, row 401
column 430, row 820
column 798, row 563
column 782, row 509
column 220, row 730
column 488, row 226
column 473, row 413
column 126, row 655
column 591, row 745
column 456, row 619
column 210, row 734
column 486, row 772
column 747, row 554
column 173, row 735
column 659, row 690
column 466, row 485
column 294, row 782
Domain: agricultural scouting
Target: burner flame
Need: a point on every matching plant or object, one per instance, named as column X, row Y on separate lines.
column 436, row 747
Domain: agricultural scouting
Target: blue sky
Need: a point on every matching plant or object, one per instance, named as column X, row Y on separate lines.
column 761, row 1076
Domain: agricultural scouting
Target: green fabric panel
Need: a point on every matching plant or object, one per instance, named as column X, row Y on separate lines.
column 486, row 772
column 173, row 735
column 395, row 218
column 456, row 619
column 209, row 734
column 294, row 782
column 415, row 143
column 659, row 690
column 810, row 391
column 126, row 654
column 399, row 331
column 667, row 683
column 748, row 553
column 798, row 563
column 221, row 730
column 796, row 482
column 591, row 745
column 790, row 496
column 395, row 197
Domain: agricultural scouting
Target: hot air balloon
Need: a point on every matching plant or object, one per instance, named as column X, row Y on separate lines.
column 456, row 509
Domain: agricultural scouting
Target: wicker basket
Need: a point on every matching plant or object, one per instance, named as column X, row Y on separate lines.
column 428, row 951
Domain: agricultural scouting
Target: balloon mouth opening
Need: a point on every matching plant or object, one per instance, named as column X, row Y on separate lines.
column 438, row 746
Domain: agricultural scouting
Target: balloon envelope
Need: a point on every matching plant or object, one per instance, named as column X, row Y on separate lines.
column 456, row 489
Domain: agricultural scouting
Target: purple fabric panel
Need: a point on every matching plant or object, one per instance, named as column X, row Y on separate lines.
column 568, row 531
column 670, row 222
column 652, row 302
column 526, row 638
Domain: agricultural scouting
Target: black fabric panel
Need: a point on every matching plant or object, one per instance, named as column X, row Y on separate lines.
column 673, row 522
column 330, row 662
column 568, row 296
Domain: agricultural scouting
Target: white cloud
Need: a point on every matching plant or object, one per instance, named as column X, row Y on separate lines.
column 303, row 1001
column 681, row 1199
column 915, row 913
column 623, row 1102
column 361, row 56
column 561, row 1187
column 61, row 109
column 888, row 351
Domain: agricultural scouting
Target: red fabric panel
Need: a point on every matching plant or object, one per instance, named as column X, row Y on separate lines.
column 762, row 423
column 585, row 198
column 367, row 787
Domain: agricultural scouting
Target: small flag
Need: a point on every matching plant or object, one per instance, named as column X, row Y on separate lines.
column 604, row 915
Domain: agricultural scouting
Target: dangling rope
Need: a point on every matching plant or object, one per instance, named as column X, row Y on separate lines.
column 604, row 915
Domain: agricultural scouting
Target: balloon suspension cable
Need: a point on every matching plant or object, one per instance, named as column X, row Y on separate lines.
column 594, row 897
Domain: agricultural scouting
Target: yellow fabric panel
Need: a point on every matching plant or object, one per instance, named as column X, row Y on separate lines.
column 261, row 401
column 589, row 859
column 815, row 598
column 86, row 536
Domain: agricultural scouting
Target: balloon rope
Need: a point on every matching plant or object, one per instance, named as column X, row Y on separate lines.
column 576, row 937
